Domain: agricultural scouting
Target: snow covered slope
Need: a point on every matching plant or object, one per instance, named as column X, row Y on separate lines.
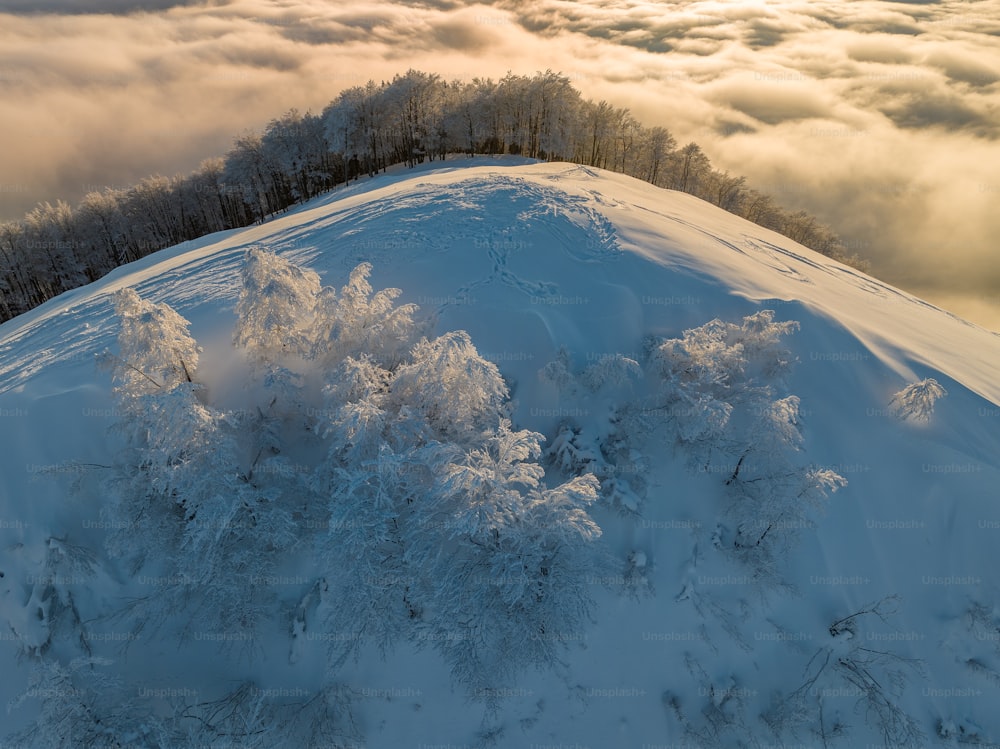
column 531, row 259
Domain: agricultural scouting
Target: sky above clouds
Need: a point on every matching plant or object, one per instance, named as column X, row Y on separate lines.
column 882, row 118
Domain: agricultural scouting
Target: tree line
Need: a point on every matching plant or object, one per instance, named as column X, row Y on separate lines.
column 366, row 129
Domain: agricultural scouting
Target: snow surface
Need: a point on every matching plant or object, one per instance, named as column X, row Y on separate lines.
column 529, row 258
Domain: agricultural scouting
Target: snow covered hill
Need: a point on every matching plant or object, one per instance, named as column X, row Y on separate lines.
column 872, row 619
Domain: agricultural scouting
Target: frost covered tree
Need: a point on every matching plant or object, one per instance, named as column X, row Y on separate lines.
column 916, row 401
column 459, row 393
column 356, row 124
column 273, row 329
column 772, row 493
column 157, row 357
column 599, row 446
column 295, row 147
column 156, row 350
column 437, row 508
column 188, row 492
column 407, row 423
column 688, row 168
column 82, row 704
column 656, row 145
column 412, row 114
column 720, row 395
column 162, row 417
column 275, row 307
column 366, row 482
column 509, row 562
column 359, row 321
column 100, row 216
column 715, row 369
column 611, row 370
column 246, row 167
column 39, row 600
column 56, row 248
column 369, row 593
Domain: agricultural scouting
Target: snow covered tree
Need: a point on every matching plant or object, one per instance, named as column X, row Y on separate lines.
column 760, row 209
column 916, row 401
column 772, row 493
column 21, row 289
column 720, row 396
column 238, row 525
column 102, row 220
column 274, row 312
column 422, row 468
column 162, row 417
column 602, row 446
column 298, row 156
column 188, row 509
column 356, row 124
column 597, row 131
column 655, row 147
column 365, row 483
column 153, row 374
column 153, row 214
column 149, row 501
column 39, row 600
column 611, row 370
column 459, row 393
column 189, row 491
column 725, row 190
column 713, row 369
column 247, row 167
column 359, row 321
column 412, row 112
column 509, row 566
column 687, row 169
column 295, row 147
column 51, row 243
column 371, row 595
column 81, row 704
column 156, row 350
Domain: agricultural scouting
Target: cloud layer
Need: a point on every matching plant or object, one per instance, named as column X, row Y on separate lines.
column 882, row 118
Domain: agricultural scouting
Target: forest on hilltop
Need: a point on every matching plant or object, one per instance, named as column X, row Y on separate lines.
column 366, row 129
